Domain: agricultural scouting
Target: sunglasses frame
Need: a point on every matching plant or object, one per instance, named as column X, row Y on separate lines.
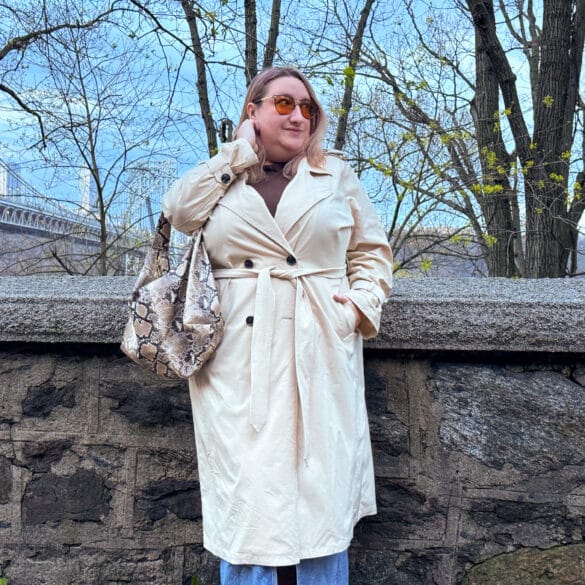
column 308, row 103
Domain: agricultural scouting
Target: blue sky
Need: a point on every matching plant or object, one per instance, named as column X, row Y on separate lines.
column 185, row 142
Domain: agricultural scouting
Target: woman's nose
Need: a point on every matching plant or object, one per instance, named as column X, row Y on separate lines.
column 296, row 113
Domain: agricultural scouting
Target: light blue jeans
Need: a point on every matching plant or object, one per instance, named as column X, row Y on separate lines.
column 329, row 570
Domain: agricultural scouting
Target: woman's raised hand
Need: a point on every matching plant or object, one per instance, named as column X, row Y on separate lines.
column 247, row 130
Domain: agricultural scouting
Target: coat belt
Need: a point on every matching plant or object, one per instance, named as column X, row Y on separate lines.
column 263, row 332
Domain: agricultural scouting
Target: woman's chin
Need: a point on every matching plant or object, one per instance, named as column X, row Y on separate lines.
column 286, row 154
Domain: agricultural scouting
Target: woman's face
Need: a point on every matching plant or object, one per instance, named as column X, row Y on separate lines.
column 283, row 136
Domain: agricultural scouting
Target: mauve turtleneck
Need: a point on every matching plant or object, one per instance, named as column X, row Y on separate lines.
column 272, row 186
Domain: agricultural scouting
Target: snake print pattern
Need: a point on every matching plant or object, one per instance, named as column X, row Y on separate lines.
column 175, row 322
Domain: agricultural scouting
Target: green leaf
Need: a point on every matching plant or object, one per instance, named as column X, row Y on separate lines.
column 349, row 72
column 426, row 265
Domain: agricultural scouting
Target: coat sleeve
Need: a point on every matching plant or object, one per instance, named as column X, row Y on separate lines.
column 369, row 257
column 191, row 199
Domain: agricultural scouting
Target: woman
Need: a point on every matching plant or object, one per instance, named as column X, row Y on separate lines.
column 303, row 267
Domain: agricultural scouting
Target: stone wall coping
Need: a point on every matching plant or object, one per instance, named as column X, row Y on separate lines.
column 437, row 314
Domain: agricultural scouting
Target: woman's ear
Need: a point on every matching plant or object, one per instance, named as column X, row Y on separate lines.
column 251, row 110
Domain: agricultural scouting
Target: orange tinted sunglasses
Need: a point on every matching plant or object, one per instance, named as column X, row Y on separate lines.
column 285, row 104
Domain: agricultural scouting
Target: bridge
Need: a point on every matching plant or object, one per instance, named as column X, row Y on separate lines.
column 25, row 209
column 39, row 234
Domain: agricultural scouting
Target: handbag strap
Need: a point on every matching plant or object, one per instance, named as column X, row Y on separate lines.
column 162, row 234
column 157, row 260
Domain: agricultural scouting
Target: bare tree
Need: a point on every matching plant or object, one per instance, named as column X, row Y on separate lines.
column 517, row 180
column 103, row 107
column 380, row 135
column 350, row 71
column 555, row 54
column 101, row 116
column 22, row 28
column 192, row 15
column 433, row 115
column 270, row 49
column 207, row 23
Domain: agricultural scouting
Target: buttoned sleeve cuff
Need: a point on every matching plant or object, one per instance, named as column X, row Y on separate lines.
column 233, row 158
column 190, row 199
column 369, row 300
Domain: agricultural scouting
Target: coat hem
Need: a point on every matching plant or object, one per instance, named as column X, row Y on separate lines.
column 275, row 560
column 366, row 512
column 284, row 560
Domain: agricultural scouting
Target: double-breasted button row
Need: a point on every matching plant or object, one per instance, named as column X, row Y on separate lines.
column 226, row 178
column 290, row 260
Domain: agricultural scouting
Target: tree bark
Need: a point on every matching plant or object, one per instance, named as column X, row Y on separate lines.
column 356, row 47
column 200, row 63
column 251, row 48
column 270, row 49
column 502, row 244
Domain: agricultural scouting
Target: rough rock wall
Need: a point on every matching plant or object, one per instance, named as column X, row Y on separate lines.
column 474, row 457
column 97, row 472
column 478, row 448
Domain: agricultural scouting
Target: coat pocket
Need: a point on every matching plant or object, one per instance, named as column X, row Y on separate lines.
column 345, row 324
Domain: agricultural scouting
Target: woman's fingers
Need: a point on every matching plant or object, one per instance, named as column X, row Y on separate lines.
column 247, row 131
column 343, row 299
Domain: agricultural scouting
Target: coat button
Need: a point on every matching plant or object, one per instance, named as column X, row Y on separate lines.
column 291, row 260
column 249, row 320
column 225, row 178
column 248, row 263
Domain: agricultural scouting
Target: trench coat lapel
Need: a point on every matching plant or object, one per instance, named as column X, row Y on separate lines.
column 298, row 197
column 247, row 203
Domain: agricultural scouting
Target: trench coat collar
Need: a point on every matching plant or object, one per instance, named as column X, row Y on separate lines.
column 300, row 196
column 297, row 199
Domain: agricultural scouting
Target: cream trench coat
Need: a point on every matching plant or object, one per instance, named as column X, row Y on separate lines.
column 284, row 454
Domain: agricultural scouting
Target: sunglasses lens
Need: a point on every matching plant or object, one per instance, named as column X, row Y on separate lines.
column 284, row 104
column 306, row 109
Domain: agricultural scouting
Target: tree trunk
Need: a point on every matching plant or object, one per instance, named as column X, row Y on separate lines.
column 501, row 241
column 548, row 235
column 270, row 49
column 200, row 63
column 543, row 158
column 354, row 55
column 251, row 49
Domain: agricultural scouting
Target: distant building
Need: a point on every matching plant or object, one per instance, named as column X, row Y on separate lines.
column 145, row 185
column 581, row 254
column 10, row 180
column 440, row 252
column 87, row 190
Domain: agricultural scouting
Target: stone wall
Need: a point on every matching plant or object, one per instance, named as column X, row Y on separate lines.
column 475, row 392
column 31, row 251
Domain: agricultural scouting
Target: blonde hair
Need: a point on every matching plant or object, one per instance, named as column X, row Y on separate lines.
column 313, row 150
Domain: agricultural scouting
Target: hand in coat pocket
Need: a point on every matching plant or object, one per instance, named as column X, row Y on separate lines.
column 345, row 300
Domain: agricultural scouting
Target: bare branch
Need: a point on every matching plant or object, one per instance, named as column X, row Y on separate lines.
column 271, row 43
column 350, row 73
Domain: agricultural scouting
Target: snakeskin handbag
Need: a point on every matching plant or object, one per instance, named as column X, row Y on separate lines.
column 175, row 323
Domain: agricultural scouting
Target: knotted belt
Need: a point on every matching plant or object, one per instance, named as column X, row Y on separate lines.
column 263, row 331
